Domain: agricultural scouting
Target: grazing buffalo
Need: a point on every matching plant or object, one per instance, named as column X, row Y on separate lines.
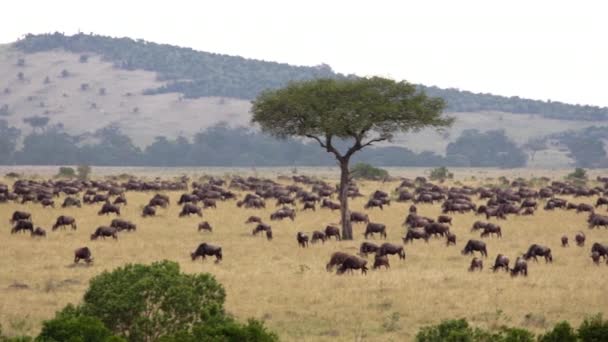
column 330, row 205
column 602, row 250
column 584, row 207
column 435, row 228
column 189, row 209
column 527, row 212
column 71, row 202
column 63, row 221
column 373, row 203
column 332, row 231
column 520, row 267
column 476, row 264
column 595, row 256
column 121, row 225
column 495, row 212
column 253, row 219
column 148, row 211
column 444, row 219
column 373, row 228
column 601, row 201
column 283, row 213
column 537, row 250
column 209, row 203
column 336, row 259
column 413, row 209
column 529, row 203
column 392, row 249
column 367, row 248
column 262, row 227
column 356, row 217
column 83, row 253
column 318, row 235
column 309, row 205
column 492, row 229
column 187, row 198
column 381, row 260
column 22, row 226
column 502, row 261
column 450, row 239
column 158, row 202
column 120, row 200
column 580, row 239
column 302, row 239
column 479, row 225
column 596, row 220
column 565, row 241
column 204, row 249
column 108, row 208
column 205, row 226
column 415, row 234
column 104, row 232
column 47, row 203
column 353, row 262
column 475, row 245
column 20, row 216
column 38, row 232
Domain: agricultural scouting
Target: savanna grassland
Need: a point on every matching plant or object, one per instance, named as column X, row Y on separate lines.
column 289, row 288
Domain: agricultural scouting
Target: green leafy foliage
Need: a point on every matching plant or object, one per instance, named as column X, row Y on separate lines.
column 492, row 148
column 84, row 172
column 562, row 332
column 70, row 325
column 225, row 330
column 367, row 171
column 8, row 141
column 441, row 173
column 66, row 172
column 593, row 329
column 578, row 174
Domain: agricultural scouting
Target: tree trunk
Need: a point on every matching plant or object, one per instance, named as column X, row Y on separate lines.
column 347, row 228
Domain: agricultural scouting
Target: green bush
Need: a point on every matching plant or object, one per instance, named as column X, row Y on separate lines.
column 562, row 332
column 70, row 325
column 225, row 330
column 578, row 174
column 84, row 171
column 441, row 173
column 593, row 329
column 447, row 331
column 367, row 171
column 66, row 172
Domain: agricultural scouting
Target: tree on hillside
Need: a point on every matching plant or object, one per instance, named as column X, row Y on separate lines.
column 36, row 121
column 8, row 141
column 362, row 111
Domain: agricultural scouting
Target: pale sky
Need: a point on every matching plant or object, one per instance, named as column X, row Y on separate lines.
column 538, row 49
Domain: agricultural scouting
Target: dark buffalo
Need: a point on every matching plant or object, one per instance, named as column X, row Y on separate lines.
column 38, row 232
column 205, row 249
column 189, row 209
column 381, row 260
column 596, row 220
column 392, row 249
column 309, row 205
column 450, row 239
column 580, row 239
column 367, row 248
column 283, row 213
column 565, row 241
column 374, row 203
column 83, row 253
column 595, row 256
column 317, row 235
column 479, row 225
column 475, row 245
column 104, row 232
column 22, row 226
column 71, row 202
column 187, row 198
column 262, row 227
column 527, row 212
column 121, row 225
column 436, row 228
column 537, row 250
column 501, row 261
column 356, row 217
column 601, row 201
column 205, row 226
column 148, row 211
column 602, row 250
column 373, row 228
column 353, row 262
column 47, row 203
column 253, row 219
column 209, row 203
column 520, row 267
column 63, row 221
column 335, row 260
column 302, row 239
column 108, row 208
column 330, row 205
column 20, row 216
column 332, row 231
column 444, row 219
column 492, row 229
column 120, row 200
column 476, row 264
column 415, row 234
column 158, row 202
column 584, row 207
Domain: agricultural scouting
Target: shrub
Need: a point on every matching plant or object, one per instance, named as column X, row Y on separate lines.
column 562, row 332
column 593, row 329
column 441, row 173
column 83, row 58
column 578, row 174
column 447, row 331
column 66, row 172
column 367, row 171
column 71, row 325
column 84, row 171
column 225, row 329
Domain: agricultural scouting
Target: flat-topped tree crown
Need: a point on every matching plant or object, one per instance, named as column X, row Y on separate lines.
column 366, row 110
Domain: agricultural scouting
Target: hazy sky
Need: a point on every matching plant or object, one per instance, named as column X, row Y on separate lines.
column 551, row 49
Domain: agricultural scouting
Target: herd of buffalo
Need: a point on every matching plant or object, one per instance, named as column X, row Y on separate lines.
column 309, row 194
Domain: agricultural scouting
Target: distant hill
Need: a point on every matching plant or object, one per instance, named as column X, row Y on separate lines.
column 199, row 74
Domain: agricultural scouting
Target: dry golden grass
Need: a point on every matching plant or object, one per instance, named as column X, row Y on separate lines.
column 289, row 288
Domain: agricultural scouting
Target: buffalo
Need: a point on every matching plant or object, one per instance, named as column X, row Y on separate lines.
column 595, row 256
column 374, row 203
column 475, row 245
column 565, row 241
column 415, row 234
column 302, row 239
column 309, row 205
column 283, row 213
column 356, row 217
column 205, row 249
column 392, row 249
column 602, row 250
column 476, row 264
column 63, row 221
column 262, row 227
column 38, row 232
column 520, row 267
column 83, row 253
column 450, row 239
column 444, row 219
column 492, row 229
column 501, row 261
column 373, row 228
column 336, row 259
column 537, row 250
column 20, row 216
column 189, row 209
column 121, row 225
column 71, row 202
column 104, row 232
column 205, row 226
column 367, row 248
column 108, row 208
column 318, row 235
column 22, row 225
column 253, row 219
column 381, row 260
column 332, row 231
column 436, row 228
column 148, row 211
column 580, row 239
column 353, row 262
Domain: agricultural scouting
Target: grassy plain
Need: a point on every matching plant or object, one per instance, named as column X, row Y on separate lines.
column 289, row 288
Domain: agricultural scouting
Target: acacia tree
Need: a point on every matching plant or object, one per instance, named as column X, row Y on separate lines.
column 362, row 111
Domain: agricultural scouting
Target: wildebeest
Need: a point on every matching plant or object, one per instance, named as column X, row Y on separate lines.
column 392, row 249
column 158, row 202
column 373, row 228
column 475, row 245
column 38, row 232
column 205, row 226
column 332, row 231
column 121, row 225
column 537, row 250
column 120, row 200
column 302, row 239
column 83, row 253
column 565, row 241
column 353, row 262
column 520, row 267
column 450, row 239
column 336, row 259
column 367, row 248
column 187, row 198
column 71, row 202
column 602, row 250
column 501, row 261
column 22, row 225
column 20, row 216
column 209, row 203
column 108, row 208
column 283, row 213
column 444, row 219
column 63, row 221
column 318, row 235
column 435, row 228
column 601, row 201
column 596, row 220
column 415, row 234
column 104, row 232
column 253, row 219
column 584, row 207
column 580, row 239
column 263, row 227
column 595, row 256
column 490, row 229
column 381, row 260
column 148, row 211
column 373, row 203
column 359, row 217
column 476, row 264
column 479, row 225
column 47, row 203
column 309, row 205
column 189, row 209
column 527, row 212
column 205, row 249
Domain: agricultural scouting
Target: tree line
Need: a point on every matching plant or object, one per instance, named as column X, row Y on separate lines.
column 198, row 74
column 223, row 145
